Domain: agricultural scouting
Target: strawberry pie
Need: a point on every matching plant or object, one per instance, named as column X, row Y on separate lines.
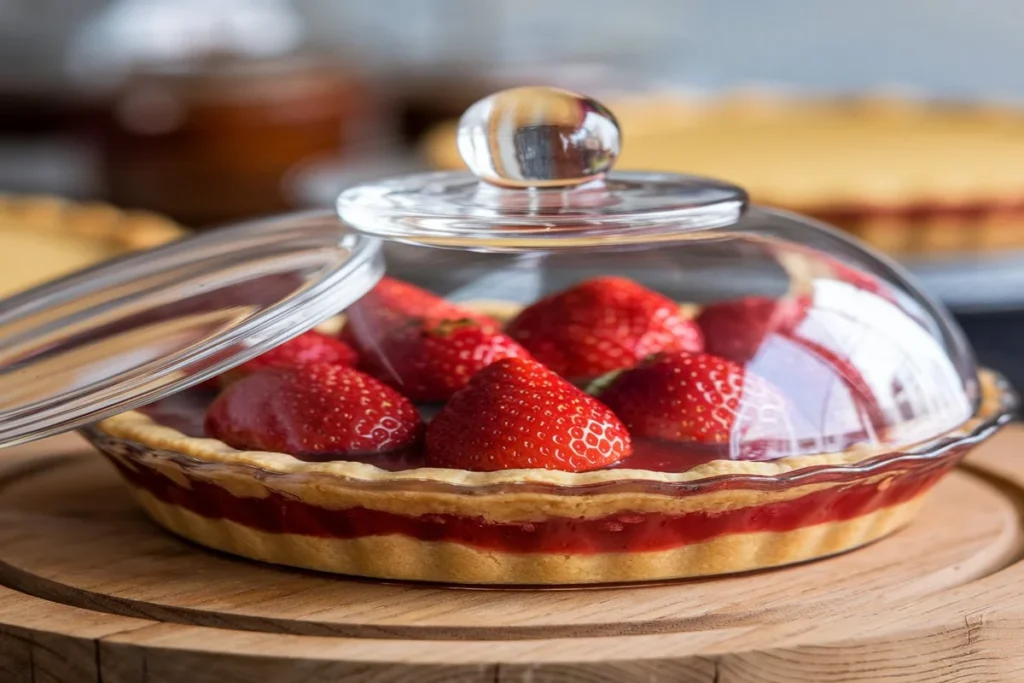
column 646, row 446
column 586, row 377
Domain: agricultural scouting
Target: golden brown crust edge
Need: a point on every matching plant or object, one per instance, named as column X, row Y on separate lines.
column 403, row 558
column 936, row 233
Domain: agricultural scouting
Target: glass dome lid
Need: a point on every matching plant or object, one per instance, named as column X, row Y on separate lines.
column 712, row 330
column 541, row 314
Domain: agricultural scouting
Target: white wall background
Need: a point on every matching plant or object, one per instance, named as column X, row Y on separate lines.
column 955, row 47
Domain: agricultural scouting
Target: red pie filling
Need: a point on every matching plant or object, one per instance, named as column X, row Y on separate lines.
column 921, row 211
column 623, row 531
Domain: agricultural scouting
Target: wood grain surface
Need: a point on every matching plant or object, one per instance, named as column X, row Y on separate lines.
column 92, row 591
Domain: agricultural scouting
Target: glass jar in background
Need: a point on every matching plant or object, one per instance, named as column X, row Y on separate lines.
column 199, row 110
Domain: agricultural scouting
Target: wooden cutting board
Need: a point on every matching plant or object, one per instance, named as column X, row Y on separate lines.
column 93, row 592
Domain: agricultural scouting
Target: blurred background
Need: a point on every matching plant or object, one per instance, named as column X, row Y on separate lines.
column 900, row 121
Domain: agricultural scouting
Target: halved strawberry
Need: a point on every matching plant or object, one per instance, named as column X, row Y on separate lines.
column 309, row 347
column 735, row 329
column 600, row 325
column 429, row 360
column 393, row 303
column 699, row 398
column 515, row 414
column 313, row 409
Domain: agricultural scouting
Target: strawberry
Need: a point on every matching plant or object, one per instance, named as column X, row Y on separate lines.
column 699, row 398
column 760, row 331
column 309, row 347
column 429, row 360
column 516, row 414
column 318, row 408
column 736, row 329
column 600, row 325
column 393, row 303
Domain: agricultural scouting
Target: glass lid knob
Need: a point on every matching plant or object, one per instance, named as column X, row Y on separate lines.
column 538, row 137
column 541, row 179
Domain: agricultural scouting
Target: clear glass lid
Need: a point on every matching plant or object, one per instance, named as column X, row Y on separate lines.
column 579, row 320
column 770, row 338
column 575, row 320
column 136, row 329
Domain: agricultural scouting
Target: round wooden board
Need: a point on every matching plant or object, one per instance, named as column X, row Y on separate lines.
column 92, row 591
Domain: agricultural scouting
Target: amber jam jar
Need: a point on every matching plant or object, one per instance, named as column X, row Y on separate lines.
column 213, row 141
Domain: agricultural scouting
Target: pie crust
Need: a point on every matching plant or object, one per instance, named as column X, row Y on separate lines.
column 42, row 238
column 273, row 507
column 405, row 558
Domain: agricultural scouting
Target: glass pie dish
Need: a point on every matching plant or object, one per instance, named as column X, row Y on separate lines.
column 567, row 376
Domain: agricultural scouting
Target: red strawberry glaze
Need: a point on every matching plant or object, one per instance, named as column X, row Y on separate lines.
column 620, row 532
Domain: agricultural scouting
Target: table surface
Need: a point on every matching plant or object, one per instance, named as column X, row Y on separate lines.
column 91, row 591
